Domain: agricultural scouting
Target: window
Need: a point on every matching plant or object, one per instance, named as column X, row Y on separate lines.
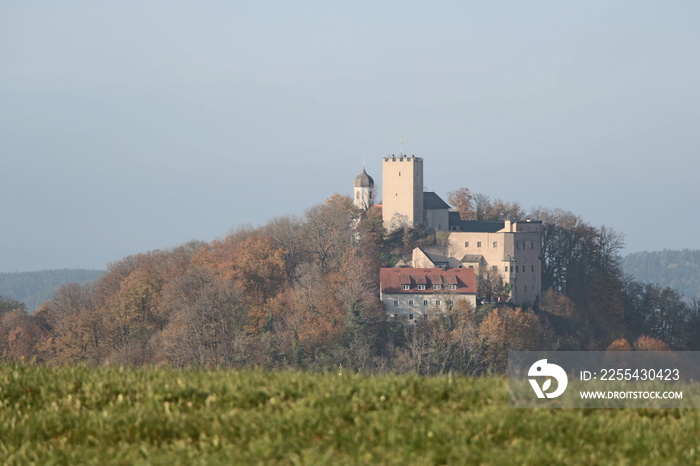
column 452, row 287
column 421, row 287
column 396, row 302
column 533, row 268
column 395, row 315
column 495, row 244
column 478, row 244
column 425, row 302
column 410, row 316
column 450, row 302
column 466, row 244
column 516, row 268
column 532, row 245
column 425, row 316
column 506, row 268
column 370, row 194
column 410, row 302
column 495, row 268
column 437, row 302
column 437, row 287
column 406, row 287
column 517, row 245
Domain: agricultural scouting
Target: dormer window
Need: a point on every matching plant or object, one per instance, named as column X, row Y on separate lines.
column 421, row 287
column 437, row 287
column 452, row 287
column 406, row 287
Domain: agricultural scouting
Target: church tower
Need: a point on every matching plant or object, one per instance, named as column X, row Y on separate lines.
column 402, row 191
column 364, row 191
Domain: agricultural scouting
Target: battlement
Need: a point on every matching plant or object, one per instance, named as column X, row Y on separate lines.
column 403, row 158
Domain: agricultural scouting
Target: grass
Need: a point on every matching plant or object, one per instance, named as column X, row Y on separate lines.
column 80, row 415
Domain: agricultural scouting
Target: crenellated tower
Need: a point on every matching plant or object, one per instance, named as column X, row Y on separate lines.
column 402, row 191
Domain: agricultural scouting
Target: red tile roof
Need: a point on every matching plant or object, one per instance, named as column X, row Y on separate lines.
column 392, row 280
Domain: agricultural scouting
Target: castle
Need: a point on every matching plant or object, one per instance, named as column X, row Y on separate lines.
column 511, row 249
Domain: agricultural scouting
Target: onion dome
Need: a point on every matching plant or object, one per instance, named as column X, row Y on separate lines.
column 363, row 180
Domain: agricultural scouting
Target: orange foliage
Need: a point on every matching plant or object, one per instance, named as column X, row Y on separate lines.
column 647, row 343
column 620, row 344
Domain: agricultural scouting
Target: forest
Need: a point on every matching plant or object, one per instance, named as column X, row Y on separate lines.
column 679, row 269
column 303, row 293
column 34, row 288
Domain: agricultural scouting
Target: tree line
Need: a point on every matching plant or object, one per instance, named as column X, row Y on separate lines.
column 303, row 292
column 33, row 288
column 679, row 269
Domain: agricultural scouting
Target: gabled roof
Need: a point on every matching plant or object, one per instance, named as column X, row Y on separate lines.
column 435, row 258
column 433, row 201
column 392, row 280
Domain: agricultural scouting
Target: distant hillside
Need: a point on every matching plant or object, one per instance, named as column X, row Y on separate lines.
column 33, row 288
column 679, row 270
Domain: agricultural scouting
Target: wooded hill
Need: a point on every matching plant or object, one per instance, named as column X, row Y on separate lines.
column 679, row 270
column 34, row 288
column 303, row 293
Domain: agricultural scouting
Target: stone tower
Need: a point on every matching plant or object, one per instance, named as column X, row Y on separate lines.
column 364, row 191
column 402, row 191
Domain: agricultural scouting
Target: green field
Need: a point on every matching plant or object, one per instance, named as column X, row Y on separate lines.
column 163, row 416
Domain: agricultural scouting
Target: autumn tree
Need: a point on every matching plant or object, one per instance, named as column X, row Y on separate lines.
column 499, row 209
column 9, row 305
column 254, row 264
column 461, row 200
column 621, row 344
column 647, row 343
column 492, row 340
column 556, row 303
column 371, row 232
column 75, row 331
column 206, row 328
column 356, row 287
column 481, row 205
column 505, row 329
column 491, row 287
column 313, row 324
column 329, row 230
column 289, row 236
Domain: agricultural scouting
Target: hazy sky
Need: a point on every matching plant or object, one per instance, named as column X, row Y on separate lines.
column 130, row 126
